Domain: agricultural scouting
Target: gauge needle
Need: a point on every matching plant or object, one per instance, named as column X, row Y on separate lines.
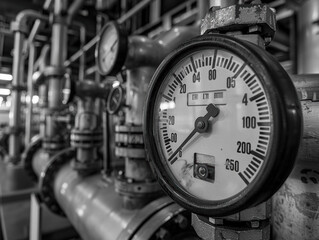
column 200, row 126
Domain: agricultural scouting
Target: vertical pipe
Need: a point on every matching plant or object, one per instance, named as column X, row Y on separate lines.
column 58, row 56
column 296, row 204
column 308, row 37
column 82, row 58
column 203, row 7
column 28, row 124
column 222, row 3
column 14, row 115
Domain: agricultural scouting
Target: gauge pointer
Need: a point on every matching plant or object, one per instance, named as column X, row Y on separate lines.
column 200, row 126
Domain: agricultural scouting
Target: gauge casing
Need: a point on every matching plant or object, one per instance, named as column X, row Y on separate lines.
column 115, row 100
column 110, row 59
column 286, row 127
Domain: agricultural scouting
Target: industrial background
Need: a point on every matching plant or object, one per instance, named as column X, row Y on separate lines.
column 100, row 109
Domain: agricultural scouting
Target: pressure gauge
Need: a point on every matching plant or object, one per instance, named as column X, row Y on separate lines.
column 111, row 49
column 115, row 100
column 222, row 125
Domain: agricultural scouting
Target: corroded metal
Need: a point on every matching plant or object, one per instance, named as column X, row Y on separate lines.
column 244, row 18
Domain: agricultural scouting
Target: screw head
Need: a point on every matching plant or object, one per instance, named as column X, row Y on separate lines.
column 202, row 171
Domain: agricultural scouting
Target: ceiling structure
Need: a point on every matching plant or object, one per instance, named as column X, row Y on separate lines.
column 178, row 12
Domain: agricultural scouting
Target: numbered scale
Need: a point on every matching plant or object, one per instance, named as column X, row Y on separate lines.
column 222, row 125
column 111, row 49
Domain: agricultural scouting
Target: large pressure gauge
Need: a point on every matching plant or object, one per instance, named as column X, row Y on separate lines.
column 111, row 49
column 222, row 125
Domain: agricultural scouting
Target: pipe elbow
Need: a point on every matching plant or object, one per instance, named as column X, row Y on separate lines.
column 143, row 52
column 176, row 36
column 20, row 22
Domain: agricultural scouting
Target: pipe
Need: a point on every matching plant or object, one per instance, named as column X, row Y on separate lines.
column 14, row 115
column 83, row 56
column 73, row 9
column 91, row 89
column 96, row 212
column 296, row 204
column 58, row 56
column 146, row 52
column 19, row 26
column 28, row 124
column 222, row 3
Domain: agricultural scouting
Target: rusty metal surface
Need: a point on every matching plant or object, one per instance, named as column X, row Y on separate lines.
column 234, row 18
column 296, row 204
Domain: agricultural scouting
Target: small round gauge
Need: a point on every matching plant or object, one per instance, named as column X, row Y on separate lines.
column 222, row 125
column 115, row 100
column 111, row 49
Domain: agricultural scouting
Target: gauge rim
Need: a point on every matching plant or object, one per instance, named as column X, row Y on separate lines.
column 119, row 102
column 122, row 49
column 283, row 106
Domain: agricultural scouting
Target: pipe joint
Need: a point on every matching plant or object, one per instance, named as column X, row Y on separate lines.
column 54, row 71
column 47, row 179
column 20, row 24
column 59, row 19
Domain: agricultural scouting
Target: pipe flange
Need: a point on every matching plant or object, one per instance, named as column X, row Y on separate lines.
column 127, row 187
column 53, row 144
column 16, row 26
column 18, row 88
column 48, row 175
column 52, row 71
column 28, row 157
column 128, row 129
column 86, row 139
column 87, row 168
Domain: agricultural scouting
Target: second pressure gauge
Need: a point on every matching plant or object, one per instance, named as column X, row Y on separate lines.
column 222, row 125
column 111, row 49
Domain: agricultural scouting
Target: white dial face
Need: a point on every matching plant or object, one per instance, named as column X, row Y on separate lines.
column 108, row 48
column 213, row 124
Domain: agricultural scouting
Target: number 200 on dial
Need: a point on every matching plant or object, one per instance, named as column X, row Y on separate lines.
column 215, row 125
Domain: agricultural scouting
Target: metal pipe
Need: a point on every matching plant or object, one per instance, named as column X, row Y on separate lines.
column 91, row 89
column 295, row 205
column 14, row 115
column 203, row 7
column 83, row 56
column 28, row 124
column 146, row 52
column 74, row 8
column 19, row 26
column 95, row 209
column 222, row 3
column 58, row 56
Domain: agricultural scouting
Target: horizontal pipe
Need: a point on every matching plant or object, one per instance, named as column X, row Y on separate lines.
column 74, row 8
column 91, row 89
column 29, row 14
column 146, row 52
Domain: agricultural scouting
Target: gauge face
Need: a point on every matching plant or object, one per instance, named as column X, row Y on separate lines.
column 115, row 100
column 214, row 126
column 220, row 162
column 111, row 49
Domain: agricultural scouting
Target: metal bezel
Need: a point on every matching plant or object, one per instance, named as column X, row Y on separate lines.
column 119, row 103
column 121, row 53
column 287, row 127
